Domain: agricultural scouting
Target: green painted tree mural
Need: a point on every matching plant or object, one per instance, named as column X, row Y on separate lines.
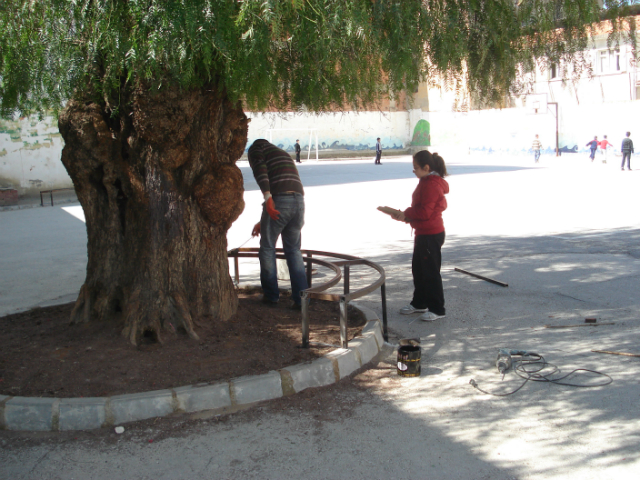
column 421, row 134
column 151, row 93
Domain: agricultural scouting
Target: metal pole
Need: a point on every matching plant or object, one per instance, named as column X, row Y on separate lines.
column 305, row 320
column 383, row 293
column 236, row 270
column 343, row 323
column 346, row 279
column 557, row 135
column 309, row 270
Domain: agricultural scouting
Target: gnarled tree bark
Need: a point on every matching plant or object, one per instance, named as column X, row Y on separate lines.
column 159, row 188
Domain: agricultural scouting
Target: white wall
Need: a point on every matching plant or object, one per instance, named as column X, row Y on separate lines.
column 511, row 131
column 30, row 152
column 336, row 131
column 30, row 149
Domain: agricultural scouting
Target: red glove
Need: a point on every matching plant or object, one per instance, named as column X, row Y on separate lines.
column 271, row 209
column 256, row 230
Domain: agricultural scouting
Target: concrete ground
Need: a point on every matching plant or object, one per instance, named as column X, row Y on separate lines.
column 564, row 234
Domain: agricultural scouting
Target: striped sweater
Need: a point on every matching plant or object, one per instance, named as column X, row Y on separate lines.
column 273, row 168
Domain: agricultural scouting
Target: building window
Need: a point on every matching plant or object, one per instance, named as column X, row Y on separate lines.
column 553, row 71
column 603, row 61
column 617, row 64
column 609, row 61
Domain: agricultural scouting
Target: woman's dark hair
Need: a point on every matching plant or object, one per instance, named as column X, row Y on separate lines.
column 435, row 162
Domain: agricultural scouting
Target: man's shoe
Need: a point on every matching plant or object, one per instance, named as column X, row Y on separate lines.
column 430, row 317
column 268, row 302
column 409, row 309
column 295, row 306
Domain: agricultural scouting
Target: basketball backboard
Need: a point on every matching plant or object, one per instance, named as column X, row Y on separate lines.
column 536, row 103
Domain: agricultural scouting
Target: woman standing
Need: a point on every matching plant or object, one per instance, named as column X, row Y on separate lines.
column 425, row 217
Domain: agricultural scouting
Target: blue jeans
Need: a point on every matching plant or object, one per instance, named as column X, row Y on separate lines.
column 536, row 155
column 626, row 156
column 289, row 225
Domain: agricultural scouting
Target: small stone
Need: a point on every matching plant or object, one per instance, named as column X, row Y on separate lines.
column 119, row 430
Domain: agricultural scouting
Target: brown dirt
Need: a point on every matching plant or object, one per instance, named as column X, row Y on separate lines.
column 43, row 356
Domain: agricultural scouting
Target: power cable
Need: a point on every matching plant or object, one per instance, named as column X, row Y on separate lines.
column 530, row 367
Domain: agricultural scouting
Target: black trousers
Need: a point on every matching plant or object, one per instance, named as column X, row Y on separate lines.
column 425, row 266
column 378, row 157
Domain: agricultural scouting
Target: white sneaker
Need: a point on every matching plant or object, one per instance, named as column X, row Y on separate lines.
column 409, row 309
column 430, row 317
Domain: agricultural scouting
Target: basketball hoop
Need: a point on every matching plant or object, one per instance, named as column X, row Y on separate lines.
column 536, row 106
column 536, row 103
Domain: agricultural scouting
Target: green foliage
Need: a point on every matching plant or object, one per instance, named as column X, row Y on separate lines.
column 284, row 54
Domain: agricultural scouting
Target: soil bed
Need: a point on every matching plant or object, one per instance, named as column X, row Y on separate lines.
column 43, row 356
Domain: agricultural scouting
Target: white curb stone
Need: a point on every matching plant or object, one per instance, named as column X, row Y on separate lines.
column 257, row 388
column 46, row 414
column 29, row 413
column 374, row 328
column 139, row 406
column 195, row 398
column 82, row 413
column 347, row 361
column 366, row 346
column 315, row 374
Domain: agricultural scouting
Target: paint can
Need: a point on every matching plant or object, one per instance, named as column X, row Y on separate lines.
column 409, row 361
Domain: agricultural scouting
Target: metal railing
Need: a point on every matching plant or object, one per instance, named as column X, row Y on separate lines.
column 320, row 291
column 50, row 192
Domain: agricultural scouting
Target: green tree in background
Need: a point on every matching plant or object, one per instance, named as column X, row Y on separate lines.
column 150, row 97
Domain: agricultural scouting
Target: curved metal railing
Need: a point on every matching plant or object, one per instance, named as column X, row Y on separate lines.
column 320, row 291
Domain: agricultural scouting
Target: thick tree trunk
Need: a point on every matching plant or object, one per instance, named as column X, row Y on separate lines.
column 159, row 188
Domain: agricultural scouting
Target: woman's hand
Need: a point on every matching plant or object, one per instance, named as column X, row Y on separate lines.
column 399, row 216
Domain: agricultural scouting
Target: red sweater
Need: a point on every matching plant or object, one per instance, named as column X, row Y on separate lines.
column 427, row 205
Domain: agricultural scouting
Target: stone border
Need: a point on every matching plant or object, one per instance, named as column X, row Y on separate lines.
column 59, row 414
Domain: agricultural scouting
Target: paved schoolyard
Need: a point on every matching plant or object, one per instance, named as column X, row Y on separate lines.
column 565, row 236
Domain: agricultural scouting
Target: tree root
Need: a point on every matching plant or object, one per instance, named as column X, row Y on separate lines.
column 168, row 312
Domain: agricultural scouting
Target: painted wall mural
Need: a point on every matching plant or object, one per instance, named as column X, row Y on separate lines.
column 421, row 134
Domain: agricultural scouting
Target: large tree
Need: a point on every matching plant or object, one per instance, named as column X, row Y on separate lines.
column 150, row 96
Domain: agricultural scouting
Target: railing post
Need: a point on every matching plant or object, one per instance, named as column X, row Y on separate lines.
column 305, row 320
column 309, row 270
column 346, row 279
column 383, row 292
column 236, row 270
column 343, row 322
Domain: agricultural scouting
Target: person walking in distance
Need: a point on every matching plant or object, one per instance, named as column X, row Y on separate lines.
column 282, row 214
column 425, row 217
column 593, row 145
column 627, row 150
column 378, row 152
column 298, row 150
column 604, row 145
column 536, row 146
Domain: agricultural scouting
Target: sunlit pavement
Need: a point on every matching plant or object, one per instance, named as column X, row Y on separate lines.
column 564, row 234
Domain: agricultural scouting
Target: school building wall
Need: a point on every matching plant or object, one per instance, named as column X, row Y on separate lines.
column 30, row 149
column 336, row 132
column 511, row 131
